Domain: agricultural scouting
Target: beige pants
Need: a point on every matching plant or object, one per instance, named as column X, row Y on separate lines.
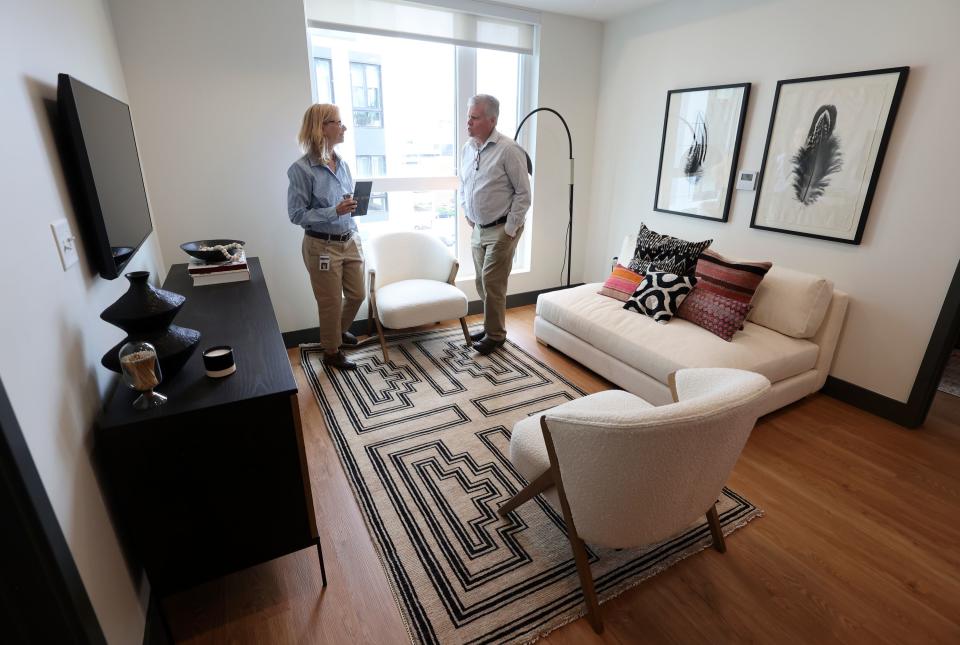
column 336, row 275
column 493, row 253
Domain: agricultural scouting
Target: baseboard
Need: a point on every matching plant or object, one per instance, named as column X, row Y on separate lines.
column 882, row 406
column 312, row 335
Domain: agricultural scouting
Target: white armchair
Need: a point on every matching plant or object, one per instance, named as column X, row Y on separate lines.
column 411, row 282
column 625, row 473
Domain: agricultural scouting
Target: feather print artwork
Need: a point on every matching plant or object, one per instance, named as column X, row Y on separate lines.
column 818, row 157
column 697, row 151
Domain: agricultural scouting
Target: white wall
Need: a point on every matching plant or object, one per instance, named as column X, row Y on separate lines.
column 51, row 336
column 219, row 88
column 898, row 276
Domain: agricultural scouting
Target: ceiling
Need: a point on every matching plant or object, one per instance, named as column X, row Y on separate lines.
column 594, row 9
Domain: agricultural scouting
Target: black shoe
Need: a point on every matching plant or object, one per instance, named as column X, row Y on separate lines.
column 348, row 339
column 487, row 345
column 478, row 336
column 339, row 361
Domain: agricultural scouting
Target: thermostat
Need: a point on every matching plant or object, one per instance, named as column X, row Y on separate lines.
column 747, row 180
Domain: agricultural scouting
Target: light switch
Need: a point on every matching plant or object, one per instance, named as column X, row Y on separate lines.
column 66, row 243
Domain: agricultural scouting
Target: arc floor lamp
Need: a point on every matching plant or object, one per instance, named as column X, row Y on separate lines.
column 569, row 257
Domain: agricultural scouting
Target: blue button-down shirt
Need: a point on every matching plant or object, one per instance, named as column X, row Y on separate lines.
column 314, row 193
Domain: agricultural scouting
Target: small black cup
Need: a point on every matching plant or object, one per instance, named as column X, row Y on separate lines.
column 218, row 361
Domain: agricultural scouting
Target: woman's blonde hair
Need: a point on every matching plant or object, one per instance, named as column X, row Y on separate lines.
column 311, row 138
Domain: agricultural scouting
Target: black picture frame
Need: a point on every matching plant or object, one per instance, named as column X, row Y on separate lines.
column 704, row 164
column 824, row 133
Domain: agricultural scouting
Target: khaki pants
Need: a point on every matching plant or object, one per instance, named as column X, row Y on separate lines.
column 493, row 253
column 336, row 275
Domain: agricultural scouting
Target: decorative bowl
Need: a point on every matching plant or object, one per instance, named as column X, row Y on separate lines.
column 193, row 249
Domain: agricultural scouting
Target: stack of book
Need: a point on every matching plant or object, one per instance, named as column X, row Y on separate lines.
column 204, row 273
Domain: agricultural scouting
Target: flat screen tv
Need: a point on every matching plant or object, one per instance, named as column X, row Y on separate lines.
column 115, row 216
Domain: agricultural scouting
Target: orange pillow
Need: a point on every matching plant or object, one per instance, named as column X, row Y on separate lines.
column 621, row 284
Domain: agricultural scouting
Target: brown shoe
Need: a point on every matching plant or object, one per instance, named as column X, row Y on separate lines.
column 478, row 336
column 347, row 338
column 487, row 345
column 339, row 360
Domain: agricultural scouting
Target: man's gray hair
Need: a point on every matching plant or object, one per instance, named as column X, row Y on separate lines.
column 491, row 106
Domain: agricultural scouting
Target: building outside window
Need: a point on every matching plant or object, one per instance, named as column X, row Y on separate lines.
column 367, row 98
column 371, row 166
column 323, row 70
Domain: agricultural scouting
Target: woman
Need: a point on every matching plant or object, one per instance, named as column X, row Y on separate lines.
column 319, row 200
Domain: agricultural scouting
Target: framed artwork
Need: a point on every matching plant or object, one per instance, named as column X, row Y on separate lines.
column 699, row 151
column 824, row 149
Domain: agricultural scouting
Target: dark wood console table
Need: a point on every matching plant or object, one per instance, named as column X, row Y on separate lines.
column 215, row 480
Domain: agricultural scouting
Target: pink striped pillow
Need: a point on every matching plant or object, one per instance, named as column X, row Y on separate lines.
column 729, row 278
column 621, row 284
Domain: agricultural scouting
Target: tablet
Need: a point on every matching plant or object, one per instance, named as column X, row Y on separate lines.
column 362, row 195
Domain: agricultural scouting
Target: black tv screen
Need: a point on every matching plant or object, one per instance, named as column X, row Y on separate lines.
column 115, row 217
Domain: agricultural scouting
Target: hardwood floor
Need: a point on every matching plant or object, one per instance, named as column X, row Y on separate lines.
column 860, row 544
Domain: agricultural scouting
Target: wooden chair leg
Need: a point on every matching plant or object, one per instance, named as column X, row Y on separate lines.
column 369, row 315
column 531, row 490
column 713, row 520
column 586, row 582
column 466, row 332
column 383, row 341
column 576, row 544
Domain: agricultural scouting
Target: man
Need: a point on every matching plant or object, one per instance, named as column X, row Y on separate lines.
column 495, row 196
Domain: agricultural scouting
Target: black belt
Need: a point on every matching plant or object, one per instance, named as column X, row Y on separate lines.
column 502, row 220
column 332, row 237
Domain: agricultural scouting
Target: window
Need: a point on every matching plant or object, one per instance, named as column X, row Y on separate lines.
column 324, row 73
column 371, row 166
column 413, row 156
column 367, row 99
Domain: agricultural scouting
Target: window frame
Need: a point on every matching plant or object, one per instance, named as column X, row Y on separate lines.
column 465, row 86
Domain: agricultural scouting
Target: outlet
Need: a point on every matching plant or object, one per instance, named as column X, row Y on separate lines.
column 66, row 243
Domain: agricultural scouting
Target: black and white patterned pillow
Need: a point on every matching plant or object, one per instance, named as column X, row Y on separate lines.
column 656, row 252
column 659, row 295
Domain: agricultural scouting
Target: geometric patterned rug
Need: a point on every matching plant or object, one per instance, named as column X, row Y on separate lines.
column 424, row 441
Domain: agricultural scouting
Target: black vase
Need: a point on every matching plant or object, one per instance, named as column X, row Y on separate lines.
column 146, row 313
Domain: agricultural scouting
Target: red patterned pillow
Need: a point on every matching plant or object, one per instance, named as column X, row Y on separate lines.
column 729, row 278
column 717, row 314
column 621, row 284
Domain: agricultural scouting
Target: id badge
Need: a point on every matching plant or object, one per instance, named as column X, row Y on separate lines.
column 324, row 263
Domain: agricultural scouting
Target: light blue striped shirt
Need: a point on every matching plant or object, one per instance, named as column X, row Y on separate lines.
column 314, row 193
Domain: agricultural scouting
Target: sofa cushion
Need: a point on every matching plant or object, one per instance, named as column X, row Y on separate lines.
column 715, row 313
column 791, row 302
column 658, row 350
column 621, row 284
column 659, row 295
column 656, row 252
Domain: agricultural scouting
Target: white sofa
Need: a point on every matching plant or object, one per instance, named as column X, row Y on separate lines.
column 790, row 337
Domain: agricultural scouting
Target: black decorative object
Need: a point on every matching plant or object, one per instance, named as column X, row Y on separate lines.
column 825, row 146
column 146, row 314
column 193, row 249
column 568, row 258
column 696, row 172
